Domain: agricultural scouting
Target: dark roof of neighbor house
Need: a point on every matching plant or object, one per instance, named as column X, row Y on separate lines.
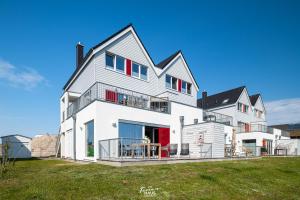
column 160, row 65
column 221, row 99
column 254, row 98
column 166, row 61
column 15, row 135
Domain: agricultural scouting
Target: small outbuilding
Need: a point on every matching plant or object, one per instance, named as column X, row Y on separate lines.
column 19, row 146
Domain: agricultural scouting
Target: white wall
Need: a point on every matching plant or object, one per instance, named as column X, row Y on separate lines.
column 19, row 146
column 105, row 114
column 213, row 133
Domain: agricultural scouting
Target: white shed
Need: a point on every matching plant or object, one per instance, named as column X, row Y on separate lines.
column 19, row 146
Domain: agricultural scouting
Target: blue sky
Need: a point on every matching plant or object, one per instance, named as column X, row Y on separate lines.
column 226, row 43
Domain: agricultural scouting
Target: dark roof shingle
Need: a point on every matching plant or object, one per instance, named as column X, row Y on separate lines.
column 254, row 98
column 166, row 61
column 221, row 99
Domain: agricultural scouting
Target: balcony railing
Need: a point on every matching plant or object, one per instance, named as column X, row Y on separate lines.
column 254, row 128
column 217, row 117
column 121, row 96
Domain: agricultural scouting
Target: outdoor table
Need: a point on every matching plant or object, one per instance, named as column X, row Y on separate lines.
column 148, row 148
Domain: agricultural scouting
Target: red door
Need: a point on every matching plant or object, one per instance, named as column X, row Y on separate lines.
column 164, row 139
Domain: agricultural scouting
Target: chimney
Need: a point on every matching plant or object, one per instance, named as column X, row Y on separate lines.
column 79, row 54
column 204, row 96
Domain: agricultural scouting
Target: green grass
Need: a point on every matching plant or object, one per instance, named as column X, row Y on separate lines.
column 267, row 178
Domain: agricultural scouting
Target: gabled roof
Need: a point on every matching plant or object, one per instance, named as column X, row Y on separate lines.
column 4, row 136
column 163, row 65
column 221, row 99
column 166, row 61
column 92, row 51
column 254, row 99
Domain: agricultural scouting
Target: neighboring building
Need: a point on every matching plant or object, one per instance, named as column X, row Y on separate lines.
column 19, row 146
column 43, row 145
column 293, row 129
column 249, row 119
column 117, row 92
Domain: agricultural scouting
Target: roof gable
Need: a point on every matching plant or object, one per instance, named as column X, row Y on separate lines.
column 167, row 63
column 105, row 43
column 259, row 104
column 225, row 98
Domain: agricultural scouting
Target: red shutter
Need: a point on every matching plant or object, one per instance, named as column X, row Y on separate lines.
column 247, row 127
column 110, row 96
column 128, row 67
column 164, row 139
column 179, row 85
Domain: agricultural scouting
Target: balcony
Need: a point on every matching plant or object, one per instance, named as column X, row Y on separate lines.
column 217, row 117
column 108, row 93
column 254, row 128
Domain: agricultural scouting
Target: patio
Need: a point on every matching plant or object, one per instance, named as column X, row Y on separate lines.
column 141, row 150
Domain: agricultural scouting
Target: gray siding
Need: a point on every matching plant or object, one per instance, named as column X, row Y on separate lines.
column 127, row 47
column 85, row 80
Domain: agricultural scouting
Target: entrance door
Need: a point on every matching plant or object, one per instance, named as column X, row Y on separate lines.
column 164, row 139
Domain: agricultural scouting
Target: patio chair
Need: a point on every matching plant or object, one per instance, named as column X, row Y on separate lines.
column 173, row 149
column 185, row 149
column 153, row 150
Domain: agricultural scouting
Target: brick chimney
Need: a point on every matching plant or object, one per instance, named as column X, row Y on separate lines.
column 79, row 54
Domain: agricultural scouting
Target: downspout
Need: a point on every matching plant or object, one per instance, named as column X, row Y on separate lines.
column 181, row 118
column 74, row 136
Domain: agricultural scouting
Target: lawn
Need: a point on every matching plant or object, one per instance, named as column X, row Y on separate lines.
column 267, row 178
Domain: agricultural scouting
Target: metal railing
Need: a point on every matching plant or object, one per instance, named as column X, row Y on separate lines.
column 217, row 117
column 121, row 96
column 122, row 148
column 254, row 128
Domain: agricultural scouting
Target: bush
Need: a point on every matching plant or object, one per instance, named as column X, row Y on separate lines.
column 263, row 149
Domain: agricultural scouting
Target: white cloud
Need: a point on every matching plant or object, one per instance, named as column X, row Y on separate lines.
column 26, row 78
column 283, row 111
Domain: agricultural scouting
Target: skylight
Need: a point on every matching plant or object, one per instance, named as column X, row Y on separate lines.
column 225, row 101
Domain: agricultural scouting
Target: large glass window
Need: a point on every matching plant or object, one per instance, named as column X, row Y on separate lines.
column 127, row 130
column 135, row 70
column 168, row 81
column 120, row 62
column 174, row 83
column 144, row 72
column 109, row 61
column 89, row 127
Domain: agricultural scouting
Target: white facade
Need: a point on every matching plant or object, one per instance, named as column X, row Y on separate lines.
column 107, row 115
column 18, row 146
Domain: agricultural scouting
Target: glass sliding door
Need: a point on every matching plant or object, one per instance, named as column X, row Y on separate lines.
column 89, row 127
column 127, row 130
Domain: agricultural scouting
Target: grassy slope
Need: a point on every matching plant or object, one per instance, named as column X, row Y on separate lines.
column 267, row 178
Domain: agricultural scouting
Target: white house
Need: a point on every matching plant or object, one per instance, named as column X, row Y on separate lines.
column 117, row 96
column 19, row 146
column 248, row 117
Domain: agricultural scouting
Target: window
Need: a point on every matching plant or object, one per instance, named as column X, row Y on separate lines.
column 240, row 105
column 135, row 70
column 144, row 72
column 183, row 87
column 110, row 61
column 127, row 130
column 168, row 81
column 120, row 64
column 89, row 127
column 174, row 83
column 189, row 88
column 246, row 108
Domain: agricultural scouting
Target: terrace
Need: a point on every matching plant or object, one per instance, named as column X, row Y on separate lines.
column 217, row 117
column 111, row 94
